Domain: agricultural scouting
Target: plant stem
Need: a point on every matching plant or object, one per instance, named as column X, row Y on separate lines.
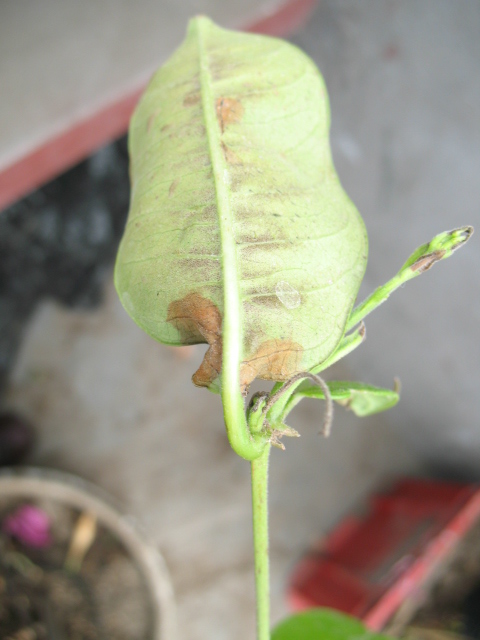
column 260, row 542
column 422, row 259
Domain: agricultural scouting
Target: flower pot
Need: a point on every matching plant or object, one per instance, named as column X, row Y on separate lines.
column 77, row 564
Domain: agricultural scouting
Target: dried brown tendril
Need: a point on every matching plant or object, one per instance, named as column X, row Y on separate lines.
column 328, row 415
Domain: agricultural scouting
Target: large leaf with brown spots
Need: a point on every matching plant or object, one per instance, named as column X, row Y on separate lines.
column 239, row 234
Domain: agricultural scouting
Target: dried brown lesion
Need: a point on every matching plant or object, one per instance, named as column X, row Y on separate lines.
column 228, row 111
column 151, row 120
column 229, row 155
column 426, row 262
column 198, row 320
column 173, row 187
column 276, row 359
column 191, row 99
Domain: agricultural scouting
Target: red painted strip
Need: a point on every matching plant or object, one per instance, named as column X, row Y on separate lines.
column 73, row 145
column 65, row 150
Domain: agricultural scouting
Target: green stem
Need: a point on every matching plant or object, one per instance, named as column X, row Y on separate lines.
column 377, row 297
column 260, row 541
column 422, row 259
column 347, row 344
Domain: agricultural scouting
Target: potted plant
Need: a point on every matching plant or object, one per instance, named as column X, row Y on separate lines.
column 73, row 566
column 240, row 236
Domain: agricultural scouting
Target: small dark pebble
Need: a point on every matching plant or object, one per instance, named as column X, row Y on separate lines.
column 16, row 439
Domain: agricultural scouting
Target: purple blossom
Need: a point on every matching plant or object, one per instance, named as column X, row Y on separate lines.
column 30, row 525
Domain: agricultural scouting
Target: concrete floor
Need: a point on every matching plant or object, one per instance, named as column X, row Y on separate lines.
column 404, row 84
column 120, row 410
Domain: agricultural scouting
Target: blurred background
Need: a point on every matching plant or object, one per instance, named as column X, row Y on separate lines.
column 108, row 404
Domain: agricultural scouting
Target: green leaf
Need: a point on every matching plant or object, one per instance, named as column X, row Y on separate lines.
column 323, row 624
column 239, row 233
column 362, row 399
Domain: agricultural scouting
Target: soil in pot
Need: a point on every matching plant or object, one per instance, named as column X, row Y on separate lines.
column 64, row 576
column 451, row 607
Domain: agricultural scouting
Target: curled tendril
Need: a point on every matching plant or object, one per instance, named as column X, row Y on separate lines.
column 328, row 416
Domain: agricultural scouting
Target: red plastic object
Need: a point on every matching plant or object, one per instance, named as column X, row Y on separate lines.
column 368, row 566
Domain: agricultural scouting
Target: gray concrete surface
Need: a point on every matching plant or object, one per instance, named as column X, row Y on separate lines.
column 120, row 410
column 404, row 84
column 78, row 57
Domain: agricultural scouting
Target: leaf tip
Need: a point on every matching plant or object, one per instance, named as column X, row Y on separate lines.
column 196, row 23
column 462, row 234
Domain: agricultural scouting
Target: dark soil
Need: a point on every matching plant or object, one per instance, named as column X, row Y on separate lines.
column 95, row 595
column 59, row 243
column 452, row 607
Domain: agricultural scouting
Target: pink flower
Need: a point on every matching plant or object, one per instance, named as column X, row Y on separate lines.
column 30, row 525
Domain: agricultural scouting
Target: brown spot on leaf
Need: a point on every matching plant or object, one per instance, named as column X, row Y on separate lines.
column 198, row 320
column 151, row 120
column 229, row 155
column 173, row 187
column 191, row 99
column 229, row 111
column 274, row 360
column 426, row 262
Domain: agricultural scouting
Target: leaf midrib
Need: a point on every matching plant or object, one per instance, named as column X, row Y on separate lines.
column 231, row 321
